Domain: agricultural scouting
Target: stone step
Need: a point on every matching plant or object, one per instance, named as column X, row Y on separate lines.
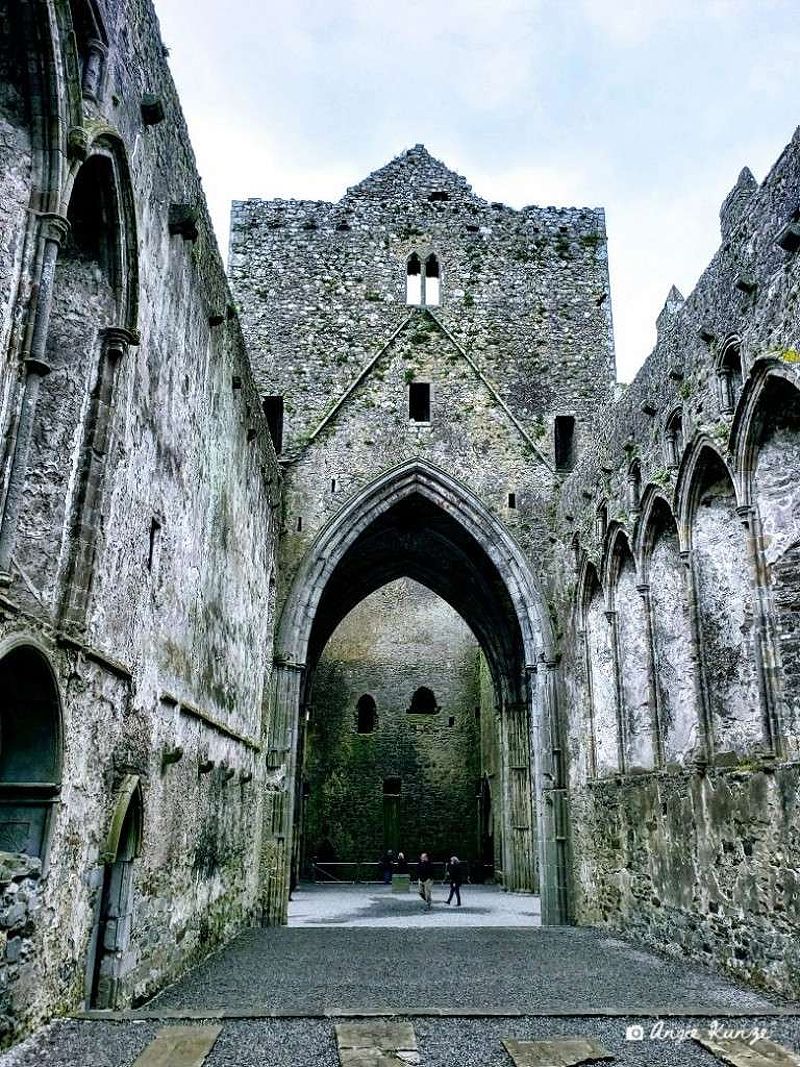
column 376, row 1043
column 556, row 1052
column 748, row 1052
column 179, row 1046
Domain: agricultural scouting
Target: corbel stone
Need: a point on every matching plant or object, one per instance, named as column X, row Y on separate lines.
column 152, row 109
column 789, row 237
column 77, row 143
column 170, row 756
column 183, row 221
column 205, row 766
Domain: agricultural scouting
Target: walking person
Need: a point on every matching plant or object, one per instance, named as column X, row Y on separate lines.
column 425, row 875
column 386, row 866
column 455, row 876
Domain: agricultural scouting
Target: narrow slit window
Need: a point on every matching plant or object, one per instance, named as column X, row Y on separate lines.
column 414, row 280
column 299, row 523
column 564, row 442
column 273, row 411
column 154, row 551
column 419, row 401
column 512, row 501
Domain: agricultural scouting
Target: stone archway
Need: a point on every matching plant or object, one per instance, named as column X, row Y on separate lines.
column 416, row 521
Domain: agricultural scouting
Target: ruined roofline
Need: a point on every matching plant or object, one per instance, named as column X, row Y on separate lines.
column 361, row 191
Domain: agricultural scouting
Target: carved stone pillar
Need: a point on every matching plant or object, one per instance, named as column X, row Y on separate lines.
column 583, row 641
column 518, row 830
column 652, row 677
column 92, row 476
column 705, row 726
column 619, row 698
column 54, row 229
column 279, row 799
column 765, row 639
column 553, row 801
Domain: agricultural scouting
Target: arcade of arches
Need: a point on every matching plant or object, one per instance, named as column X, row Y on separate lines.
column 298, row 563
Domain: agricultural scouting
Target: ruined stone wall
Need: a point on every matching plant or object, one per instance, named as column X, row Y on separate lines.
column 677, row 567
column 144, row 557
column 322, row 287
column 397, row 640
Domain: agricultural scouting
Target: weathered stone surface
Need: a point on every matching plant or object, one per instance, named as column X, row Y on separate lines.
column 179, row 1046
column 743, row 1052
column 556, row 1052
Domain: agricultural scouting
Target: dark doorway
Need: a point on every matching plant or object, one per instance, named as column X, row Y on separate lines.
column 115, row 909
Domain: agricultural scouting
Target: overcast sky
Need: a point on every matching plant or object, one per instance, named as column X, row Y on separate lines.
column 648, row 108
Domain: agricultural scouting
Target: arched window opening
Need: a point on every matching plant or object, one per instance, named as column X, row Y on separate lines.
column 366, row 714
column 92, row 215
column 673, row 440
column 423, row 702
column 635, row 486
column 431, row 281
column 423, row 280
column 30, row 750
column 414, row 280
column 601, row 523
column 729, row 376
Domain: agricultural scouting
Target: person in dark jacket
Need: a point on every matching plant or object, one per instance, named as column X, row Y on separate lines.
column 425, row 875
column 386, row 866
column 402, row 864
column 455, row 877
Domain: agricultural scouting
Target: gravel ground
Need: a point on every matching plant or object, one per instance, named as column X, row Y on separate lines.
column 311, row 1042
column 548, row 969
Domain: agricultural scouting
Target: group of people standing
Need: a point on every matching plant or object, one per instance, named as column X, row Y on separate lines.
column 454, row 875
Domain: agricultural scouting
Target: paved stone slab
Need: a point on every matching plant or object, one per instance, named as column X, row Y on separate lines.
column 741, row 1052
column 179, row 1046
column 376, row 1044
column 556, row 1052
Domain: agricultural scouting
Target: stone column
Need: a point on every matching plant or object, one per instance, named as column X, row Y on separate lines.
column 89, row 501
column 622, row 731
column 765, row 640
column 705, row 726
column 54, row 229
column 582, row 637
column 93, row 64
column 276, row 856
column 652, row 680
column 555, row 876
column 518, row 833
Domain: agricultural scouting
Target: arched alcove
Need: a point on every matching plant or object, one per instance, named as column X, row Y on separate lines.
column 725, row 605
column 632, row 657
column 600, row 675
column 30, row 749
column 423, row 702
column 773, row 461
column 366, row 714
column 674, row 661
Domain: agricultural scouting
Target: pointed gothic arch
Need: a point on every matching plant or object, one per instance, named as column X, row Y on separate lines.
column 403, row 524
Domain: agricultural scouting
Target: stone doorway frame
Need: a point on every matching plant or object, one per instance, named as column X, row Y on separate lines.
column 107, row 963
column 534, row 795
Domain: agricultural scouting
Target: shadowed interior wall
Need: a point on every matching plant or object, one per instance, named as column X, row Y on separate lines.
column 396, row 641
